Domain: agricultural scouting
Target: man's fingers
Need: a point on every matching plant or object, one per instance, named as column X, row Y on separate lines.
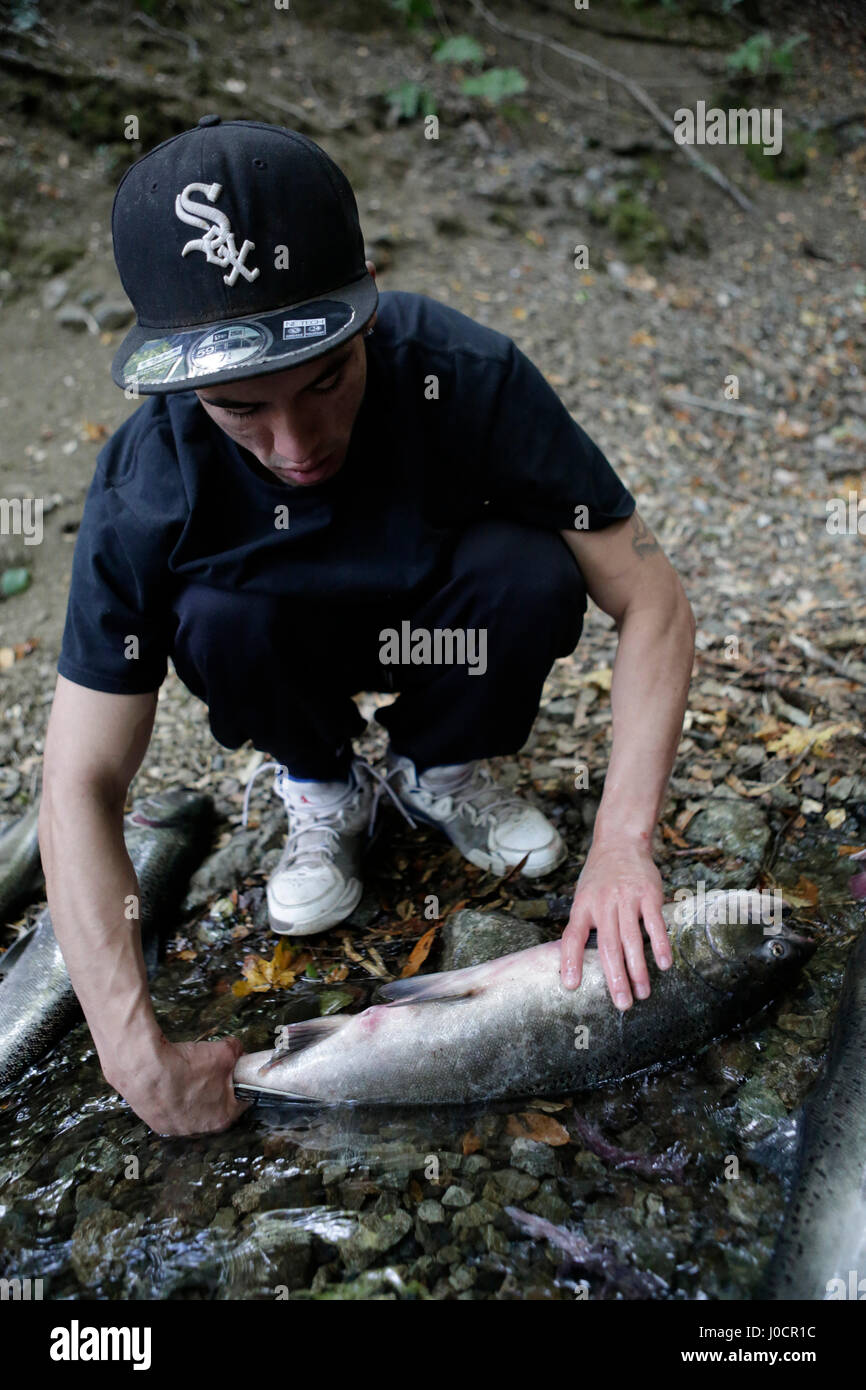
column 658, row 934
column 573, row 943
column 632, row 941
column 610, row 950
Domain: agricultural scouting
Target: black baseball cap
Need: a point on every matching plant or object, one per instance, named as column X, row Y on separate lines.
column 239, row 246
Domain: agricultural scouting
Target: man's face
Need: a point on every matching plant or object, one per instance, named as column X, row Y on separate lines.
column 297, row 423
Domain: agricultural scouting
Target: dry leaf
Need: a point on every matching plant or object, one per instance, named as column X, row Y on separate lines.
column 531, row 1124
column 796, row 741
column 471, row 1142
column 279, row 973
column 420, row 952
column 806, row 891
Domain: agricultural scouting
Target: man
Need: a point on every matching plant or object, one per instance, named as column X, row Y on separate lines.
column 295, row 494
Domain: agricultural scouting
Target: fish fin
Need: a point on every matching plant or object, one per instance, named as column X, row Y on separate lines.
column 15, row 951
column 299, row 1036
column 428, row 989
column 779, row 1149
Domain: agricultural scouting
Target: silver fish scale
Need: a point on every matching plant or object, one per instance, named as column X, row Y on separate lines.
column 823, row 1235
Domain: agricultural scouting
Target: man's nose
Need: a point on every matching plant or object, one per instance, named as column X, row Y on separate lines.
column 294, row 439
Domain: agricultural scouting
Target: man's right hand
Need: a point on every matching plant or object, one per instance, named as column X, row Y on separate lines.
column 186, row 1088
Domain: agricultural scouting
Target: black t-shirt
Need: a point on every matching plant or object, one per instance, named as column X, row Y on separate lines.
column 456, row 424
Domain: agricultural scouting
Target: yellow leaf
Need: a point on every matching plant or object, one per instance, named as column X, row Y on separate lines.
column 601, row 677
column 796, row 740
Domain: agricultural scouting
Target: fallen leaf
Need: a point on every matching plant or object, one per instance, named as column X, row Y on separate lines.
column 278, row 973
column 420, row 952
column 531, row 1124
column 806, row 890
column 471, row 1142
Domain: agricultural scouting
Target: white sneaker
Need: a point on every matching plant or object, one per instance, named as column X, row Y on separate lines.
column 317, row 883
column 493, row 828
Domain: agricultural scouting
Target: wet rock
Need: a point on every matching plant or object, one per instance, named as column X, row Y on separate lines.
column 471, row 937
column 431, row 1212
column 478, row 1214
column 223, row 870
column 456, row 1197
column 463, row 1278
column 475, row 1163
column 549, row 1204
column 739, row 828
column 759, row 1109
column 377, row 1232
column 532, row 1157
column 272, row 1252
column 748, row 1202
column 224, row 1219
column 333, row 1172
column 113, row 313
column 509, row 1186
column 100, row 1245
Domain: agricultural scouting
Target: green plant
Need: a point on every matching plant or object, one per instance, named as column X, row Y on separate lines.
column 413, row 11
column 410, row 98
column 758, row 55
column 494, row 84
column 460, row 49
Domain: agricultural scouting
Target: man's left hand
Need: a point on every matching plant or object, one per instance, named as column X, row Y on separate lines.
column 618, row 886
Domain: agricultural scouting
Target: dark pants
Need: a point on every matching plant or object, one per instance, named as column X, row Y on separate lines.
column 280, row 672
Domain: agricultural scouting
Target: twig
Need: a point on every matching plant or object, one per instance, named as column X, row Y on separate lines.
column 187, row 39
column 816, row 654
column 634, row 89
column 748, row 412
column 633, row 35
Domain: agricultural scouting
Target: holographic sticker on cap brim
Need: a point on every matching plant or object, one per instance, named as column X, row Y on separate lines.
column 285, row 338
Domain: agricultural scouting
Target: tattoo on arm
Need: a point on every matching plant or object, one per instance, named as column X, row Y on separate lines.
column 643, row 540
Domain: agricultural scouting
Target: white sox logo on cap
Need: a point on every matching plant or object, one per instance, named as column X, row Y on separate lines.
column 218, row 243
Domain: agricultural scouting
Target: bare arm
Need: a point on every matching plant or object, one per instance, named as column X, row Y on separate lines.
column 94, row 746
column 629, row 577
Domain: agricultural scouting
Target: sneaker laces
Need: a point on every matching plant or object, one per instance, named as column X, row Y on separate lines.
column 321, row 831
column 488, row 797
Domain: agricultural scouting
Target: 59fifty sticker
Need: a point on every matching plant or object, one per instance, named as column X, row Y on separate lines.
column 232, row 346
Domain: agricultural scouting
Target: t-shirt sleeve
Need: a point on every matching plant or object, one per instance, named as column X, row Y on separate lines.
column 541, row 467
column 115, row 636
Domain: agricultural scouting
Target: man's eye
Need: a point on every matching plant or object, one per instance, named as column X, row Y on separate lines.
column 335, row 382
column 238, row 414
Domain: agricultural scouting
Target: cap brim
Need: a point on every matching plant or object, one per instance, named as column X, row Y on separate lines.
column 156, row 360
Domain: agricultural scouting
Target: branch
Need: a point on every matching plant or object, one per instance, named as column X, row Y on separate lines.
column 638, row 93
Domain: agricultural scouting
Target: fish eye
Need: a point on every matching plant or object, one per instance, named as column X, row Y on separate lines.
column 777, row 948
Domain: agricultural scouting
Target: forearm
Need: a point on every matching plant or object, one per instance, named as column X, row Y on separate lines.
column 93, row 896
column 649, row 693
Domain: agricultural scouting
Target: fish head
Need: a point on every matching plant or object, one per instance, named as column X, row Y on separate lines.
column 176, row 808
column 740, row 942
